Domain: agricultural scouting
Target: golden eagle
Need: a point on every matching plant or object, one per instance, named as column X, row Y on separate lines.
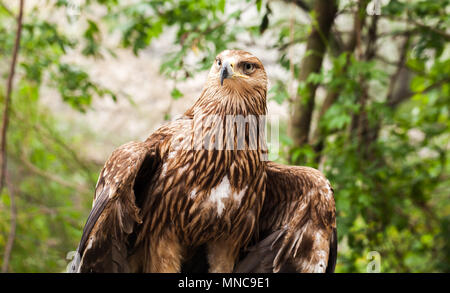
column 199, row 195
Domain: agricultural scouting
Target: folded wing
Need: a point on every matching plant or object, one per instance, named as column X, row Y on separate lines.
column 297, row 226
column 121, row 188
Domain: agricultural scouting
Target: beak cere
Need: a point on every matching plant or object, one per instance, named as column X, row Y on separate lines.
column 226, row 71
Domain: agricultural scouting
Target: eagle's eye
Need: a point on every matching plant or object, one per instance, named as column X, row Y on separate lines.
column 219, row 62
column 248, row 68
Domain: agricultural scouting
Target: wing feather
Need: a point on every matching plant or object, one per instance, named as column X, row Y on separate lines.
column 298, row 224
column 122, row 183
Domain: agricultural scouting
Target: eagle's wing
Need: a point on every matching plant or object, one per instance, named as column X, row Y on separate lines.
column 122, row 184
column 297, row 224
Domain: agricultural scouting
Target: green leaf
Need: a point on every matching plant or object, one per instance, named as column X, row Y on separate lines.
column 258, row 5
column 221, row 5
column 176, row 94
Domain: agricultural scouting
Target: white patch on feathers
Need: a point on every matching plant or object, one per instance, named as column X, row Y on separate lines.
column 321, row 255
column 172, row 155
column 321, row 265
column 238, row 197
column 91, row 241
column 193, row 193
column 329, row 193
column 182, row 169
column 164, row 170
column 222, row 191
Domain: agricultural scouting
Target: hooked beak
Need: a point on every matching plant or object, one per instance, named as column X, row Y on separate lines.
column 227, row 71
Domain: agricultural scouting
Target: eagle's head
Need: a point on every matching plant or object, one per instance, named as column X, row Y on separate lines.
column 239, row 70
column 236, row 84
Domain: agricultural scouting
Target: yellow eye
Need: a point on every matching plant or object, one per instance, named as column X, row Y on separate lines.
column 248, row 68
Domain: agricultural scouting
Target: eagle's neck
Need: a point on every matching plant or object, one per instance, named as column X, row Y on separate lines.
column 226, row 100
column 220, row 149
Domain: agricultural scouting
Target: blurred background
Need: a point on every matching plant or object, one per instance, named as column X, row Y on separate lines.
column 361, row 88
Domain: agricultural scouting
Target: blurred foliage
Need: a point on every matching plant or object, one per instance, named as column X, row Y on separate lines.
column 393, row 197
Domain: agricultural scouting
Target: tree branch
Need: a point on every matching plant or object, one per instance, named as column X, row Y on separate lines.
column 9, row 86
column 48, row 138
column 52, row 177
column 395, row 102
column 433, row 29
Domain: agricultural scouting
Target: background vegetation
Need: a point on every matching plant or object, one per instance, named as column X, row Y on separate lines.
column 366, row 85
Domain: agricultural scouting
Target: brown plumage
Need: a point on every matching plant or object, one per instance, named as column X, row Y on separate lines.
column 198, row 194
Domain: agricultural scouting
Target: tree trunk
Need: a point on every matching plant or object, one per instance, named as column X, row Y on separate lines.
column 315, row 50
column 360, row 126
column 4, row 128
column 318, row 138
